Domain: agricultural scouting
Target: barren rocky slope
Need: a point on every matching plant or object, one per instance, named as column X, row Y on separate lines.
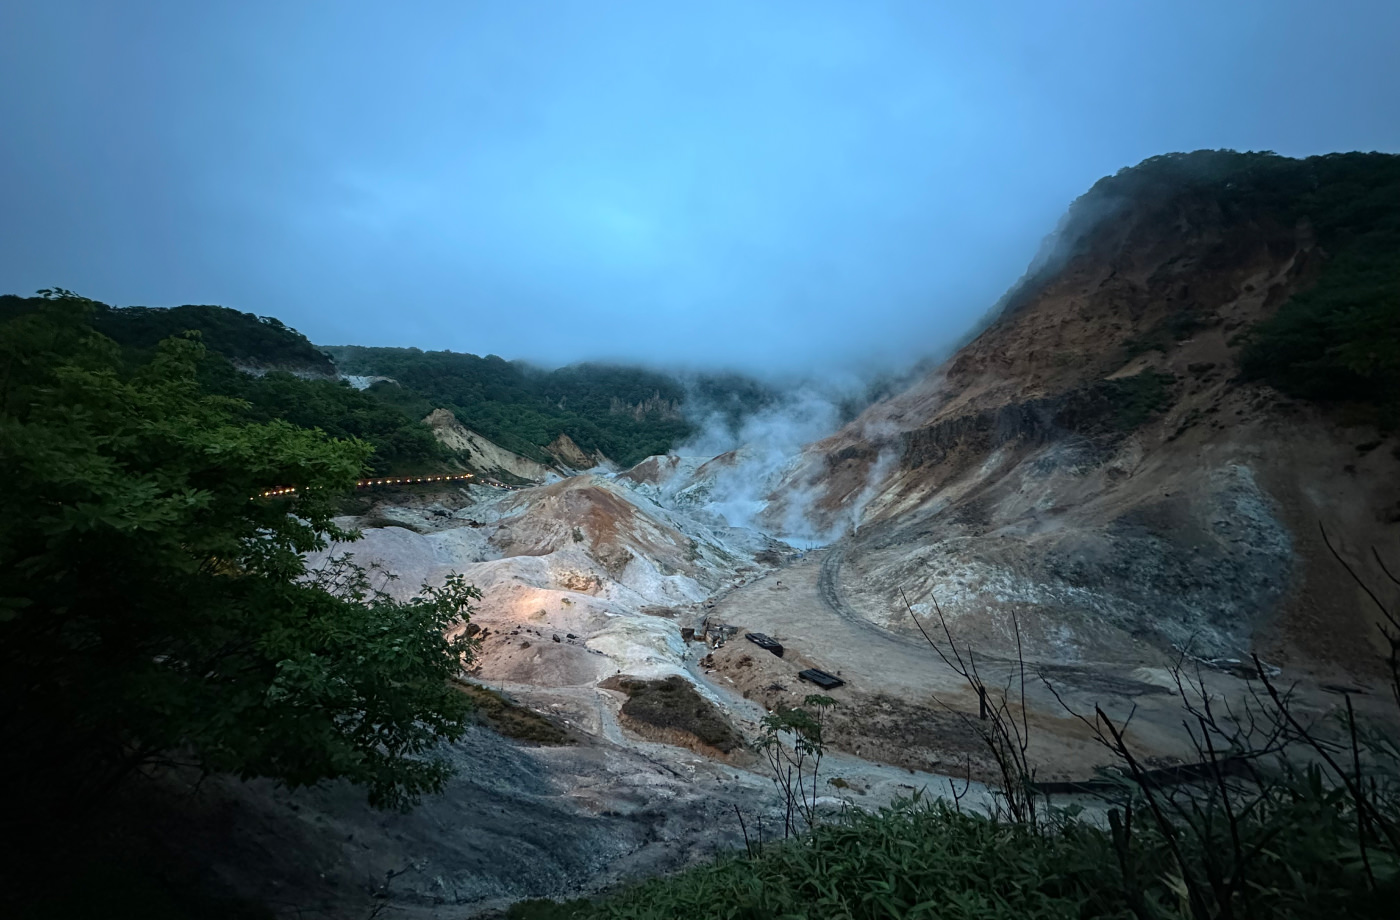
column 1093, row 462
column 482, row 453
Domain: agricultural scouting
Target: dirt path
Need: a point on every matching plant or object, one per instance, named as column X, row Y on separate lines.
column 895, row 706
column 829, row 585
column 801, row 606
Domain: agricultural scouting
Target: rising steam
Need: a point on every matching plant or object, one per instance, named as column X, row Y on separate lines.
column 763, row 453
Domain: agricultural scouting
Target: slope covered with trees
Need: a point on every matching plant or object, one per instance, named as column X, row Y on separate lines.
column 244, row 338
column 628, row 413
column 296, row 386
column 150, row 608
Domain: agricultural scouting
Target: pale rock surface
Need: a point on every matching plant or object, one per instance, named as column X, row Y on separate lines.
column 481, row 452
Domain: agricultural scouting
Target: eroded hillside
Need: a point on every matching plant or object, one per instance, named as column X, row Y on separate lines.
column 1095, row 463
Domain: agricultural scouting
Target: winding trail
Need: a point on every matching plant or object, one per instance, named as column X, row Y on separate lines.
column 802, row 606
column 398, row 481
column 829, row 584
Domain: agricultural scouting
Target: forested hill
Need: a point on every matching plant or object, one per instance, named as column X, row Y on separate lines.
column 627, row 413
column 309, row 398
column 246, row 339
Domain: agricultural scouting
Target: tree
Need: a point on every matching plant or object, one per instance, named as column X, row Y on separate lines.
column 153, row 606
column 797, row 764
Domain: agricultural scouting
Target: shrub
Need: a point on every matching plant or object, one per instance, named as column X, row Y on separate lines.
column 673, row 704
column 1138, row 398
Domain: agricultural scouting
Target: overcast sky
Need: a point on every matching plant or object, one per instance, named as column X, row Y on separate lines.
column 754, row 184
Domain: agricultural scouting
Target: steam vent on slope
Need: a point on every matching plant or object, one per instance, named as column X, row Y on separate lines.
column 1093, row 483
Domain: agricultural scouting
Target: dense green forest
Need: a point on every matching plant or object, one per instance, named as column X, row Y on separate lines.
column 153, row 607
column 401, row 442
column 244, row 338
column 628, row 413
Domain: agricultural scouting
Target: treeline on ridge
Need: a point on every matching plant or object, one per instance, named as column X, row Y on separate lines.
column 627, row 413
column 401, row 442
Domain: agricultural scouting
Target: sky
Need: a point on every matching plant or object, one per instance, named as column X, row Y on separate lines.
column 769, row 186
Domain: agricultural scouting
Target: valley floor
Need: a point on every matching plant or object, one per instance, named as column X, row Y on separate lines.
column 560, row 617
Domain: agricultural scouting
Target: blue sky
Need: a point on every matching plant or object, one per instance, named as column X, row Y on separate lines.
column 751, row 184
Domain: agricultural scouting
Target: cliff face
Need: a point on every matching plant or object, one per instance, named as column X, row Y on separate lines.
column 571, row 455
column 482, row 453
column 1093, row 462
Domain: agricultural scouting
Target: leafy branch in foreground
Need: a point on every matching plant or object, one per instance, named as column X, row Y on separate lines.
column 150, row 611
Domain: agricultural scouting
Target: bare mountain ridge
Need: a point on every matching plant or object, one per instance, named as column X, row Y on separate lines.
column 1093, row 462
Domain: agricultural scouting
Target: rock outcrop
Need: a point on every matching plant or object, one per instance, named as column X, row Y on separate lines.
column 481, row 453
column 571, row 455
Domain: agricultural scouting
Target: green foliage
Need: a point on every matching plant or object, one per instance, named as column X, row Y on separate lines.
column 793, row 742
column 629, row 413
column 385, row 417
column 911, row 861
column 506, row 717
column 931, row 860
column 1339, row 339
column 401, row 442
column 148, row 605
column 242, row 337
column 672, row 703
column 1136, row 399
column 1114, row 407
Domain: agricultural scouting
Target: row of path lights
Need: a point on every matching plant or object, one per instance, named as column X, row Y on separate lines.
column 394, row 480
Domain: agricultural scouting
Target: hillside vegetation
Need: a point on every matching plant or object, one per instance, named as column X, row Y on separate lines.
column 152, row 606
column 244, row 338
column 401, row 442
column 1339, row 339
column 929, row 860
column 628, row 413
